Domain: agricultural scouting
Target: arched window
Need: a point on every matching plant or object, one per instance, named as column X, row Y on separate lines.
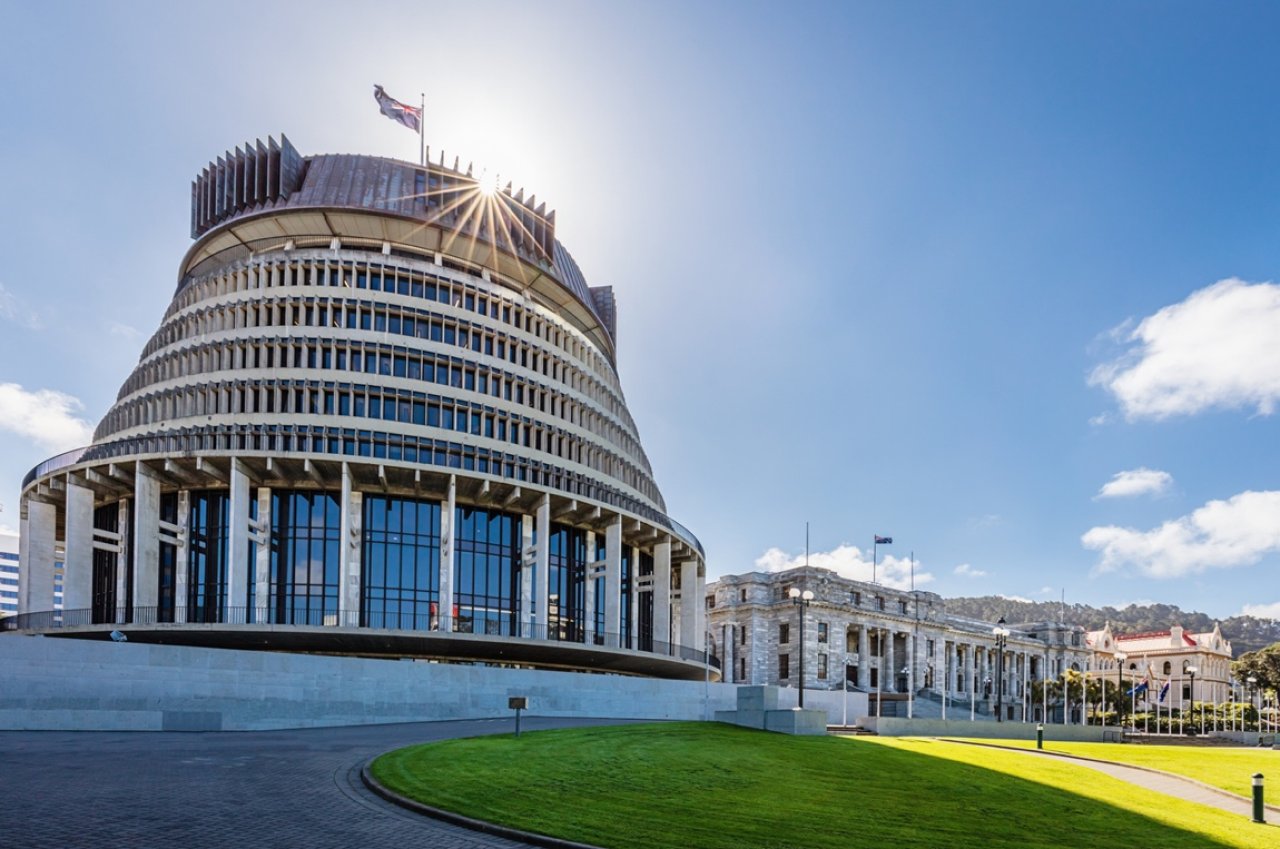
column 1168, row 667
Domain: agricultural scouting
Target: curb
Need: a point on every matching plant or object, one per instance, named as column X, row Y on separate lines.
column 482, row 826
column 1275, row 809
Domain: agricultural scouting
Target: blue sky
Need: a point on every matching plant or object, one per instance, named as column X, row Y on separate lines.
column 935, row 271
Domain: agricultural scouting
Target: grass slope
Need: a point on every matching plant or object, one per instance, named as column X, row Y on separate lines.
column 711, row 786
column 1229, row 769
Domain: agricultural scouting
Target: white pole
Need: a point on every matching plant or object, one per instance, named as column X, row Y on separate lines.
column 844, row 686
column 422, row 131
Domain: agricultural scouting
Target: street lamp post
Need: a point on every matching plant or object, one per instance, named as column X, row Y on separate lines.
column 1191, row 672
column 1002, row 635
column 1120, row 659
column 801, row 600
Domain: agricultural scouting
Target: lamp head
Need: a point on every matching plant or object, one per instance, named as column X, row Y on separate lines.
column 807, row 595
column 1120, row 656
column 1191, row 670
column 794, row 592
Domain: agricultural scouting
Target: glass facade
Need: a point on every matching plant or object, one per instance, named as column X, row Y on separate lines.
column 104, row 601
column 566, row 578
column 207, row 556
column 644, row 624
column 400, row 563
column 625, row 617
column 304, row 557
column 486, row 582
column 167, row 572
column 598, row 591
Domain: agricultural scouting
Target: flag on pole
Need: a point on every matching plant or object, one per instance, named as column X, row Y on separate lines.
column 410, row 116
column 1138, row 690
column 1164, row 691
column 883, row 540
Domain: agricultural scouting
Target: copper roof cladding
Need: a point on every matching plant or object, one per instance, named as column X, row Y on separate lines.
column 271, row 177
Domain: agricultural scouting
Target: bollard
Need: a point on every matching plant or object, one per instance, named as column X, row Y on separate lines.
column 1257, row 798
column 1040, row 735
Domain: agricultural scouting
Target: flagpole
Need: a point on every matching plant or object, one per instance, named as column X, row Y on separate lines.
column 422, row 131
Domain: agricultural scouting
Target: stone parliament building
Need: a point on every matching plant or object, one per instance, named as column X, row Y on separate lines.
column 881, row 640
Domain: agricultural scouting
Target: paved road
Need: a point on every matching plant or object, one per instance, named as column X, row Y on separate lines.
column 139, row 790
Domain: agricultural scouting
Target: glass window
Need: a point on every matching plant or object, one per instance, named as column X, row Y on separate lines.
column 487, row 571
column 304, row 557
column 822, row 632
column 566, row 597
column 207, row 556
column 400, row 563
column 784, row 666
column 784, row 633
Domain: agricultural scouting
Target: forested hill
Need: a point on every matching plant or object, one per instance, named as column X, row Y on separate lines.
column 1246, row 633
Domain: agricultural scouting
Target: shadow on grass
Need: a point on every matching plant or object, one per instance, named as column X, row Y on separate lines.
column 719, row 787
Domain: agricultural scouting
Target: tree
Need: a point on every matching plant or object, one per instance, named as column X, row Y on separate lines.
column 1263, row 665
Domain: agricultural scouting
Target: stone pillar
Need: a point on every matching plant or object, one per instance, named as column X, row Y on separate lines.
column 864, row 659
column 351, row 551
column 238, row 545
column 662, row 595
column 262, row 559
column 891, row 678
column 691, row 602
column 589, row 601
column 448, row 516
column 633, row 595
column 35, row 555
column 77, row 578
column 182, row 568
column 542, row 569
column 146, row 543
column 528, row 561
column 613, row 582
column 124, row 570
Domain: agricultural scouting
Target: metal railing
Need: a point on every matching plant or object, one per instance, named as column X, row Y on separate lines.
column 58, row 461
column 564, row 632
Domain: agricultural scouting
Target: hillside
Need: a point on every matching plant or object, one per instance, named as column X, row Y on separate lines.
column 1246, row 633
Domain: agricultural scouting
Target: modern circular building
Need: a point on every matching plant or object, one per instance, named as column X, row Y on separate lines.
column 380, row 416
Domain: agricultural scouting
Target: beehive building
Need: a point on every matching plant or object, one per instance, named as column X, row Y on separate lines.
column 381, row 415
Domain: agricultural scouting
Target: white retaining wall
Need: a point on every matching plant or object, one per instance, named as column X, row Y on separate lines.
column 51, row 683
column 890, row 726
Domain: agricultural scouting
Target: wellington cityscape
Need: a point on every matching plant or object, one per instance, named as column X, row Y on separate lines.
column 640, row 425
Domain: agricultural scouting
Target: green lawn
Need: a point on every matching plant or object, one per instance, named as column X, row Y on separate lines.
column 709, row 786
column 1229, row 768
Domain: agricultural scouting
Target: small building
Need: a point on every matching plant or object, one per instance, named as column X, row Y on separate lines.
column 1160, row 657
column 878, row 639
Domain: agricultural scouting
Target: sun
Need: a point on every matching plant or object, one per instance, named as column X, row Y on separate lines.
column 488, row 183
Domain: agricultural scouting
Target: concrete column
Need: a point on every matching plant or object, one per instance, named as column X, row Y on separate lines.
column 182, row 567
column 35, row 555
column 351, row 550
column 662, row 593
column 124, row 567
column 890, row 673
column 238, row 545
column 589, row 591
column 691, row 603
column 448, row 514
column 613, row 582
column 146, row 540
column 864, row 659
column 526, row 577
column 262, row 560
column 700, row 600
column 77, row 579
column 542, row 567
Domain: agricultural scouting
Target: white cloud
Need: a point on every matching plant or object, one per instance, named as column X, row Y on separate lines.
column 849, row 561
column 969, row 572
column 989, row 520
column 46, row 417
column 1237, row 532
column 13, row 309
column 116, row 328
column 1215, row 349
column 1014, row 598
column 1047, row 590
column 1262, row 611
column 1142, row 481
